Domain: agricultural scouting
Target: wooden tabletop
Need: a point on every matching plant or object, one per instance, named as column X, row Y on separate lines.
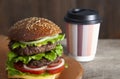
column 106, row 64
column 3, row 56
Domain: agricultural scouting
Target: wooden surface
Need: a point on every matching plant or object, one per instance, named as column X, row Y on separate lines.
column 3, row 56
column 74, row 71
column 14, row 10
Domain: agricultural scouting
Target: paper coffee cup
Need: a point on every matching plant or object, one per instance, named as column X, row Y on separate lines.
column 82, row 30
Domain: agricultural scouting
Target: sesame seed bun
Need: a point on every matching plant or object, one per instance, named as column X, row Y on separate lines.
column 33, row 28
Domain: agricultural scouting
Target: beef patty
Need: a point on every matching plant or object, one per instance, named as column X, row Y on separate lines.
column 42, row 62
column 31, row 50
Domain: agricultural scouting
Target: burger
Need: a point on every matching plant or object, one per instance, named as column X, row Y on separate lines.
column 35, row 51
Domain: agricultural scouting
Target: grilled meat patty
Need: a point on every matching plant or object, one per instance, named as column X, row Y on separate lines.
column 42, row 62
column 31, row 50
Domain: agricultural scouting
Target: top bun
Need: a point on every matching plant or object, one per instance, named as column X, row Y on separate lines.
column 33, row 28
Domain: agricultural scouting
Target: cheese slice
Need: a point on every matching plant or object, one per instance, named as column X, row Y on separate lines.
column 54, row 76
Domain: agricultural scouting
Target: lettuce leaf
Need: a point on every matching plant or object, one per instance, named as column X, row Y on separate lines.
column 18, row 44
column 36, row 43
column 51, row 56
column 54, row 53
column 12, row 71
column 59, row 50
column 26, row 59
column 10, row 68
column 11, row 55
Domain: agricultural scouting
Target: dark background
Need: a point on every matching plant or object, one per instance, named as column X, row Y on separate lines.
column 14, row 10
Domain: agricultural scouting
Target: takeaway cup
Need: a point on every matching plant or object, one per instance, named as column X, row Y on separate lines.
column 82, row 30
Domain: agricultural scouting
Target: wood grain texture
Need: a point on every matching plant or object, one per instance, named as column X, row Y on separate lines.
column 55, row 10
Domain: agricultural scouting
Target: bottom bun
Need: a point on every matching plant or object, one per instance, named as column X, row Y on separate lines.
column 53, row 76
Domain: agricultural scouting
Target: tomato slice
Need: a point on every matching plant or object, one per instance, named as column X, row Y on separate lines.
column 52, row 68
column 54, row 71
column 56, row 67
column 19, row 66
column 55, row 64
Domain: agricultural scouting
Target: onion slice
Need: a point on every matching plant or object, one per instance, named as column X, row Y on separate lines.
column 35, row 69
column 45, row 67
column 40, row 40
column 60, row 65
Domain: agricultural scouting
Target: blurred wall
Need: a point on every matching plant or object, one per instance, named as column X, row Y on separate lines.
column 14, row 10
